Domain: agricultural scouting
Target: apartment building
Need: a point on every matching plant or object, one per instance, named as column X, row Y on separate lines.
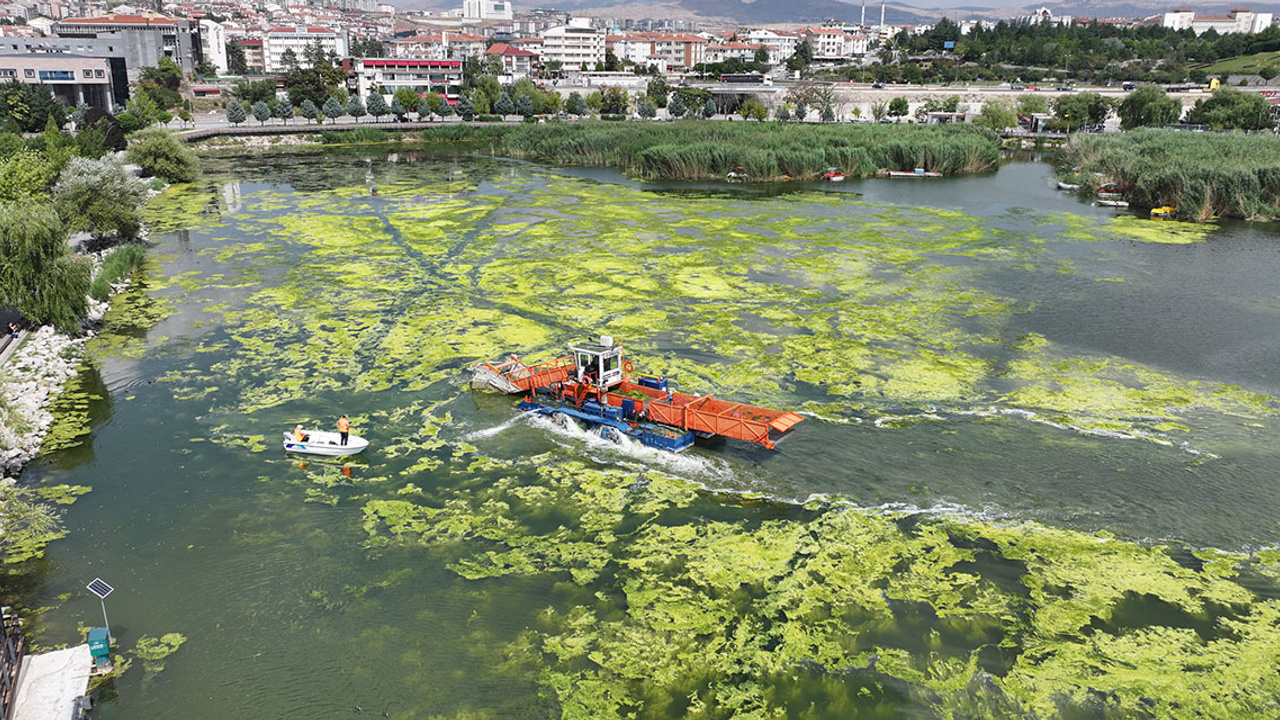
column 516, row 63
column 73, row 79
column 278, row 41
column 387, row 75
column 675, row 51
column 438, row 46
column 143, row 39
column 577, row 45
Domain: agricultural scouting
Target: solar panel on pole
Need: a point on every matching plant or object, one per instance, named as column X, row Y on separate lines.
column 102, row 590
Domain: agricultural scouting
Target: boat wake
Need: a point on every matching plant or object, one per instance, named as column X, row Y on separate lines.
column 497, row 429
column 690, row 466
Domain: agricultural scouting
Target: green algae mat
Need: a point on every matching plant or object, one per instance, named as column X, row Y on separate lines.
column 1034, row 480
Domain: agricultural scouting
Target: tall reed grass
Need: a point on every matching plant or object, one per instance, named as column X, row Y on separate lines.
column 1202, row 174
column 699, row 150
column 122, row 262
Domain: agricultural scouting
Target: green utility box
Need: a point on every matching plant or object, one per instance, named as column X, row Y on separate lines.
column 99, row 645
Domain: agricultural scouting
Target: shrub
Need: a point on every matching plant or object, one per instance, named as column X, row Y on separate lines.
column 38, row 275
column 101, row 197
column 25, row 175
column 161, row 154
column 489, row 118
column 122, row 262
column 359, row 135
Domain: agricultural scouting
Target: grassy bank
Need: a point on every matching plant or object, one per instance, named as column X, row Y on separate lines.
column 700, row 150
column 1202, row 174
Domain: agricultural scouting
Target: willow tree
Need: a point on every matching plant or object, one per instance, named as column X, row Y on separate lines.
column 38, row 274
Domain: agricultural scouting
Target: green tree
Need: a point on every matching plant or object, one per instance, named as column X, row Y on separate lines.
column 524, row 107
column 236, row 113
column 283, row 111
column 658, row 91
column 1231, row 109
column 466, row 110
column 236, row 62
column 355, row 108
column 646, row 109
column 261, row 112
column 161, row 154
column 289, row 59
column 398, row 109
column 879, row 110
column 254, row 91
column 753, row 110
column 314, row 84
column 899, row 107
column 424, row 106
column 782, row 114
column 709, row 109
column 504, row 106
column 1078, row 109
column 611, row 61
column 308, row 110
column 1148, row 106
column 676, row 108
column 408, row 98
column 206, row 69
column 90, row 143
column 802, row 57
column 314, row 54
column 761, row 56
column 377, row 105
column 828, row 113
column 27, row 108
column 613, row 102
column 100, row 197
column 38, row 275
column 332, row 108
column 801, row 112
column 25, row 176
column 997, row 114
column 1032, row 103
column 445, row 108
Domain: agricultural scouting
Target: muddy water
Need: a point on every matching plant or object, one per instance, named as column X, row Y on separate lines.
column 1030, row 422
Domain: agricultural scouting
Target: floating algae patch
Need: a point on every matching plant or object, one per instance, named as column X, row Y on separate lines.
column 848, row 302
column 71, row 409
column 700, row 605
column 154, row 652
column 182, row 207
column 1101, row 393
column 1168, row 232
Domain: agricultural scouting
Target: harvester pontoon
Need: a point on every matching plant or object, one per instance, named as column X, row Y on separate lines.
column 597, row 386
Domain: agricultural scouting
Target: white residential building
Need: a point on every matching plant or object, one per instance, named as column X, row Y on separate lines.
column 443, row 77
column 280, row 40
column 718, row 53
column 439, row 45
column 675, row 51
column 480, row 10
column 576, row 45
column 1240, row 20
column 213, row 44
column 782, row 45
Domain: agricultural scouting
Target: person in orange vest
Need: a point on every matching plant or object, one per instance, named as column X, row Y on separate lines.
column 344, row 427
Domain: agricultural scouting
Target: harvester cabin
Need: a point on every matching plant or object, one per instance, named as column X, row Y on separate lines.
column 598, row 364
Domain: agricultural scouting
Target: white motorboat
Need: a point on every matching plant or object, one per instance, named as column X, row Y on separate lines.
column 320, row 442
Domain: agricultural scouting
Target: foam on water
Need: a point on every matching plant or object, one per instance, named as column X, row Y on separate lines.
column 497, row 429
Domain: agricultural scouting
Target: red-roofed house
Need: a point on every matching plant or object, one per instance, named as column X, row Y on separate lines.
column 280, row 40
column 515, row 62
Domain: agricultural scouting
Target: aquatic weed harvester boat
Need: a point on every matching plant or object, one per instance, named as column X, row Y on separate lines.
column 596, row 386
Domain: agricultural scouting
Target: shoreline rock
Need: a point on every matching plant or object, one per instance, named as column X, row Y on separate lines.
column 33, row 377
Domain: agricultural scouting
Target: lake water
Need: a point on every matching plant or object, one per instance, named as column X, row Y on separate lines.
column 1020, row 409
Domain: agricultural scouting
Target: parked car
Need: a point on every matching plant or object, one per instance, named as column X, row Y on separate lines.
column 877, row 85
column 1016, row 87
column 1066, row 88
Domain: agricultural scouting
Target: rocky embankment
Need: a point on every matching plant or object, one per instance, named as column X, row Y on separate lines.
column 32, row 377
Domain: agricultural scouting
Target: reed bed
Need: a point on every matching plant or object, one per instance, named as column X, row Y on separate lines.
column 700, row 150
column 1204, row 175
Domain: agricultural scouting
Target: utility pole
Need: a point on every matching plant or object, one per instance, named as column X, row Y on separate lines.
column 863, row 22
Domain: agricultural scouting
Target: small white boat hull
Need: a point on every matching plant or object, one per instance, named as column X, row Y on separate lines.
column 1067, row 186
column 1112, row 203
column 328, row 444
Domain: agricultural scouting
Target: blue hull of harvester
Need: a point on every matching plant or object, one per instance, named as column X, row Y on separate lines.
column 604, row 418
